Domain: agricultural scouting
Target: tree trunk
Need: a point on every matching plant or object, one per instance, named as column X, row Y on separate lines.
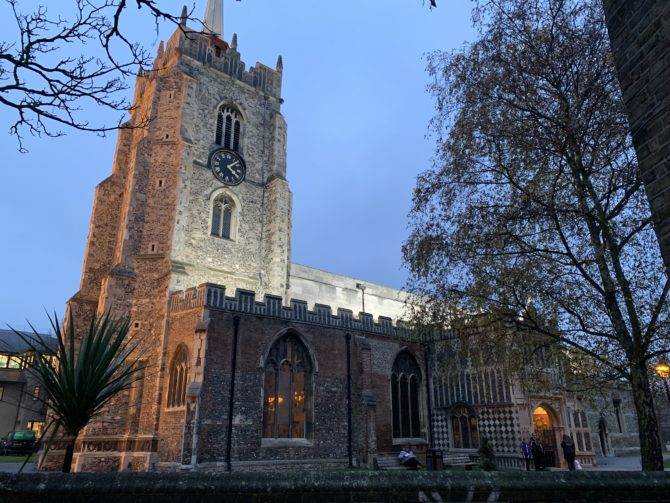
column 650, row 440
column 67, row 460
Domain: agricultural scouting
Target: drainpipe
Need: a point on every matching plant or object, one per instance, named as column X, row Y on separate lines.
column 231, row 402
column 17, row 424
column 349, row 424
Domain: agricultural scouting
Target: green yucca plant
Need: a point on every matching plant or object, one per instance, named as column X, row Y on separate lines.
column 79, row 381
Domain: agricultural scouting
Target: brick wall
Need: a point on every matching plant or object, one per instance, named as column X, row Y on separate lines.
column 640, row 35
column 371, row 362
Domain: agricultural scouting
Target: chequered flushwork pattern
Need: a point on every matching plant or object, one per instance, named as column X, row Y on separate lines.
column 440, row 430
column 501, row 426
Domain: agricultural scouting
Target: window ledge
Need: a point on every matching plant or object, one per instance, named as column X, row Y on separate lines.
column 410, row 441
column 286, row 442
column 223, row 238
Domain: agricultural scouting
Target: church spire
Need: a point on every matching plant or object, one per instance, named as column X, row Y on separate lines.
column 214, row 18
column 184, row 16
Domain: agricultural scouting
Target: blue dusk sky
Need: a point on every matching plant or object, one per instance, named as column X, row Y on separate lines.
column 354, row 86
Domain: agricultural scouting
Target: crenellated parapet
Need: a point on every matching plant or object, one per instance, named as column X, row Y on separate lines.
column 218, row 54
column 213, row 296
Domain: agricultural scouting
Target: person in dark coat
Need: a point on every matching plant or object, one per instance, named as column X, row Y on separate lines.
column 408, row 458
column 538, row 453
column 569, row 451
column 527, row 453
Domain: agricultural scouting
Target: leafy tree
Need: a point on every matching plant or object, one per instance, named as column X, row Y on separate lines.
column 85, row 374
column 487, row 455
column 534, row 211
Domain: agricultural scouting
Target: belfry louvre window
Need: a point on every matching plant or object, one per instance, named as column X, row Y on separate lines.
column 223, row 217
column 286, row 390
column 228, row 128
column 178, row 378
column 464, row 429
column 405, row 389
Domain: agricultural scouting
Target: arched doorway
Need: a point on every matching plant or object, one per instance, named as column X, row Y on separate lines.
column 602, row 434
column 544, row 431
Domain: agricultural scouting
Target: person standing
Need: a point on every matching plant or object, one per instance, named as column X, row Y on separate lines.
column 569, row 451
column 527, row 453
column 538, row 453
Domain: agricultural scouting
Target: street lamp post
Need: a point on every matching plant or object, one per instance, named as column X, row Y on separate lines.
column 663, row 370
column 361, row 287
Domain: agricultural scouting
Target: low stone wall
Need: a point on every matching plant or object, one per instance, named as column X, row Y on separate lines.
column 329, row 486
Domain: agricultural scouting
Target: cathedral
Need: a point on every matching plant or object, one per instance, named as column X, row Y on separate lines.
column 254, row 362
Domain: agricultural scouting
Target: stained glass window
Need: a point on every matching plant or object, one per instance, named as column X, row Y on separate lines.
column 405, row 391
column 286, row 399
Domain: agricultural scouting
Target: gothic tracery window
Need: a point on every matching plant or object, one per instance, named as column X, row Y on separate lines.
column 582, row 432
column 286, row 390
column 228, row 128
column 178, row 378
column 405, row 389
column 464, row 428
column 224, row 214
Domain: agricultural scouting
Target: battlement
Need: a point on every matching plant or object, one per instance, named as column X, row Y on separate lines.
column 214, row 297
column 218, row 54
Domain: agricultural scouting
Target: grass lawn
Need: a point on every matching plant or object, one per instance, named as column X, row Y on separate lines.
column 16, row 459
column 666, row 463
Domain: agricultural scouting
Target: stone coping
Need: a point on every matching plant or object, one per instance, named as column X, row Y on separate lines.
column 336, row 485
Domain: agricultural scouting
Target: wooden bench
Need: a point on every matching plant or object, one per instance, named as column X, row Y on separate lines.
column 458, row 460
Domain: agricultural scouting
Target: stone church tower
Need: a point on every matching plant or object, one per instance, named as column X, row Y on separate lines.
column 254, row 362
column 173, row 214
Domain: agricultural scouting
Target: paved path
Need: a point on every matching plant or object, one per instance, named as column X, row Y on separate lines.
column 623, row 463
column 628, row 463
column 14, row 467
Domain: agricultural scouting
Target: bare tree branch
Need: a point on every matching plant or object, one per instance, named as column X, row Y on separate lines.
column 52, row 90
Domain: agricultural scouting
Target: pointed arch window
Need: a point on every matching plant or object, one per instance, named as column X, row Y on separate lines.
column 405, row 389
column 229, row 128
column 464, row 428
column 178, row 378
column 224, row 217
column 287, row 390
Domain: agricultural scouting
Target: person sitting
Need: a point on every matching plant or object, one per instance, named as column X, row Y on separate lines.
column 408, row 458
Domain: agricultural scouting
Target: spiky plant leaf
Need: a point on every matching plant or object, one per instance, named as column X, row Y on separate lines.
column 87, row 373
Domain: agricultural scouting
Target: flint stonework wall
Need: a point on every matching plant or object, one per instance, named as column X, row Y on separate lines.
column 331, row 486
column 175, row 422
column 327, row 347
column 127, row 262
column 257, row 259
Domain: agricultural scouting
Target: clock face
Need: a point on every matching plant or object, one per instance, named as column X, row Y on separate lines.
column 228, row 166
